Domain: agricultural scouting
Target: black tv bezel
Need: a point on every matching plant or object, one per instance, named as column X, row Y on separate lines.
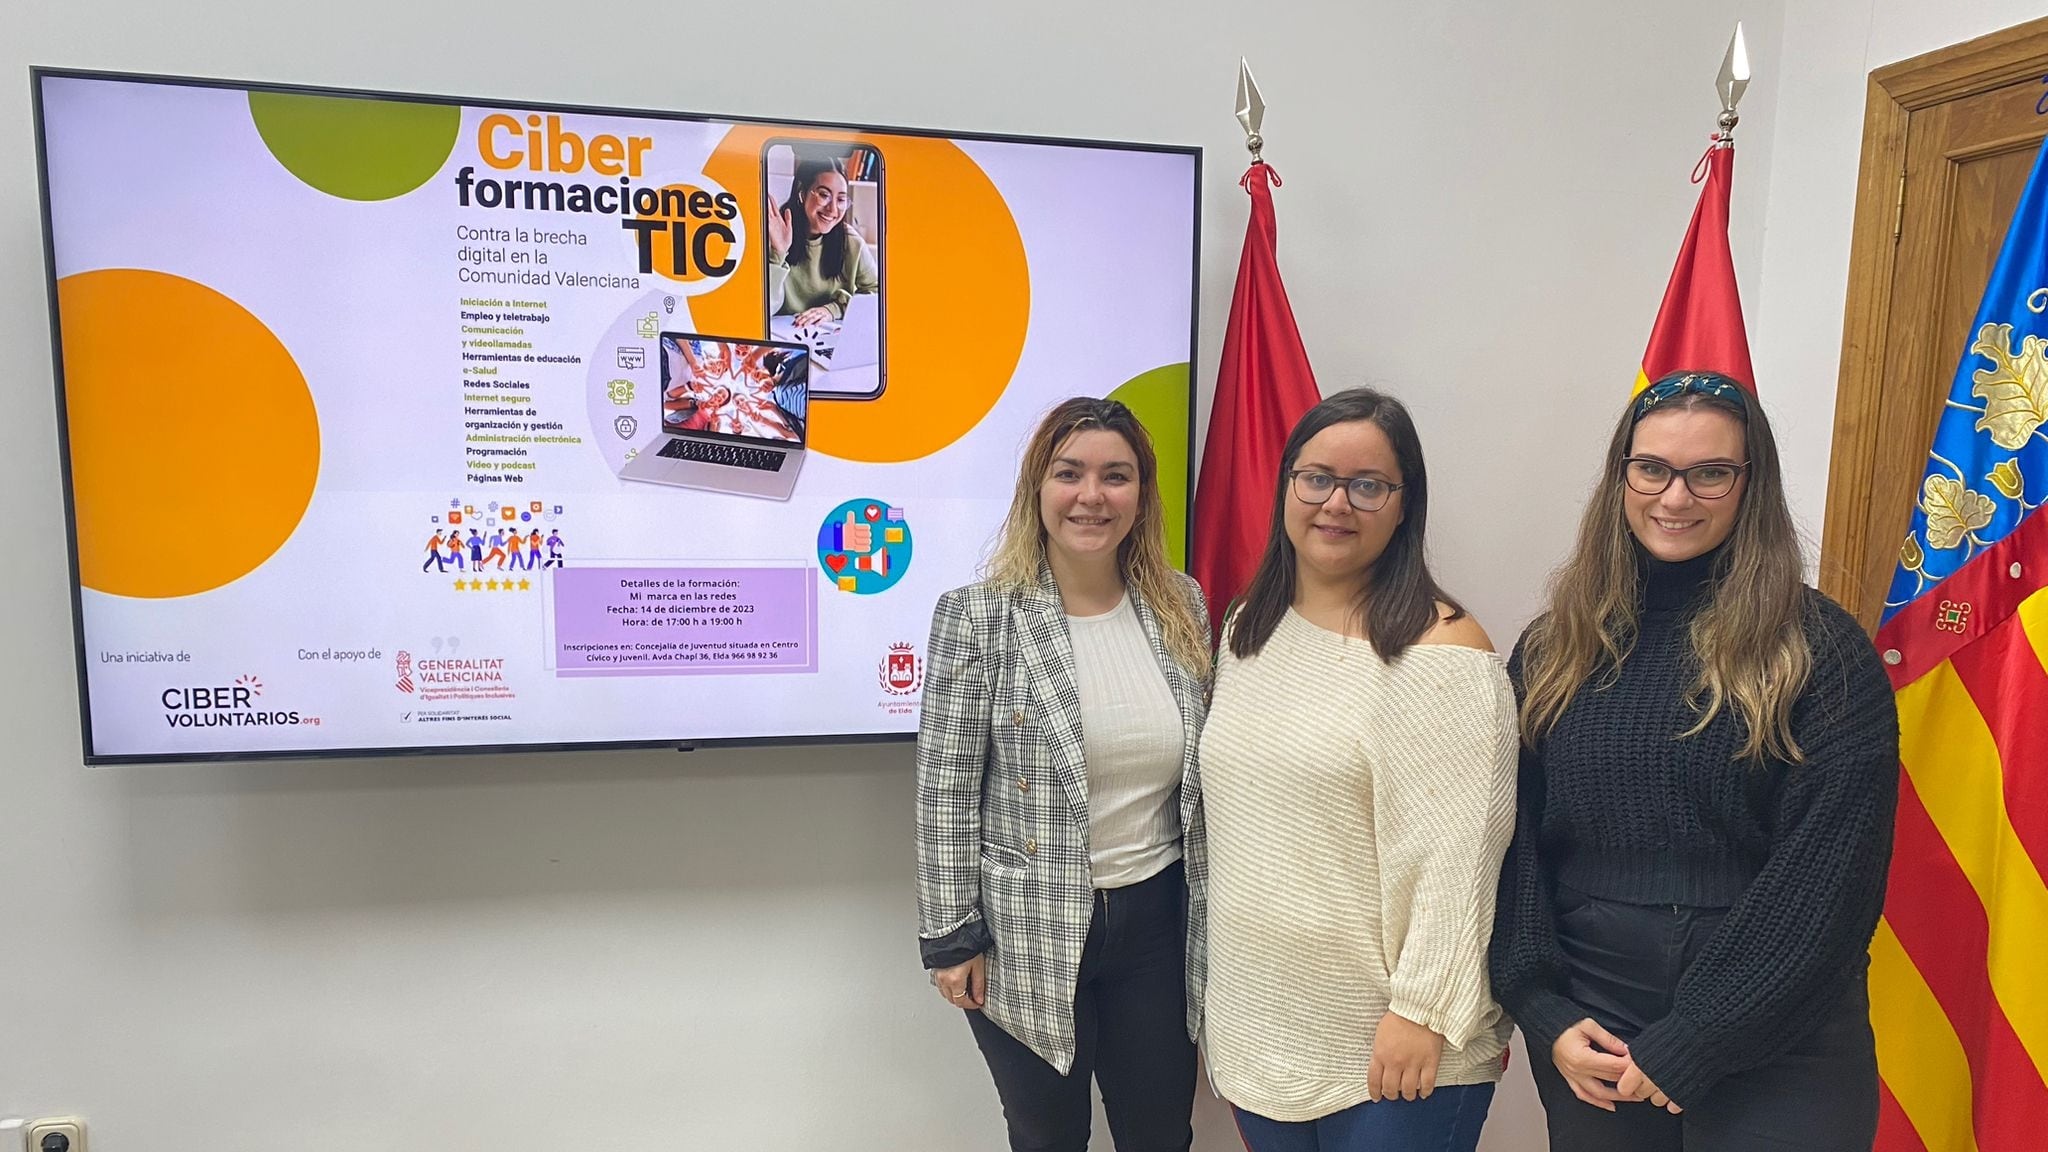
column 39, row 73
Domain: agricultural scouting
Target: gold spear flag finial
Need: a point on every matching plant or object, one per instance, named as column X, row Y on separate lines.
column 1733, row 79
column 1251, row 109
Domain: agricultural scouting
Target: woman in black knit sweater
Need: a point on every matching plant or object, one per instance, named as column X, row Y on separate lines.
column 1709, row 771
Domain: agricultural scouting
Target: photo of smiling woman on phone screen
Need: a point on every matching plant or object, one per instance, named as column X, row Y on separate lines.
column 818, row 258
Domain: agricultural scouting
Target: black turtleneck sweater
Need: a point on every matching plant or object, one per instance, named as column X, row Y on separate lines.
column 1614, row 804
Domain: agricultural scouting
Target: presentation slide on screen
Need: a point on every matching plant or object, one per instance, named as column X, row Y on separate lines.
column 395, row 423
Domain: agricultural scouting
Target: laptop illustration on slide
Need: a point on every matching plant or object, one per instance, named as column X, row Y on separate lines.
column 846, row 354
column 734, row 416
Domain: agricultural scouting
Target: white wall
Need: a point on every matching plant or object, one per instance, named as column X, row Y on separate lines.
column 1796, row 331
column 716, row 951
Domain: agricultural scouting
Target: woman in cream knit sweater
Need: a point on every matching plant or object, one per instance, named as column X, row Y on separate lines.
column 1357, row 773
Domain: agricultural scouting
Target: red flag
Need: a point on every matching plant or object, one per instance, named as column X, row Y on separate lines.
column 1262, row 387
column 1699, row 325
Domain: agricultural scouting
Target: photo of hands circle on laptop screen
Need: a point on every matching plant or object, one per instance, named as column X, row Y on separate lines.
column 733, row 387
column 734, row 414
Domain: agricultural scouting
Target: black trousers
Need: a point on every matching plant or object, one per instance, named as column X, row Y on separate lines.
column 1130, row 1034
column 1818, row 1095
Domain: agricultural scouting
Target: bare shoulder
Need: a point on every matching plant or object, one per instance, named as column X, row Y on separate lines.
column 1462, row 632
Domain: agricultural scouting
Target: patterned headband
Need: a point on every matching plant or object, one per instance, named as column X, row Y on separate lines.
column 1690, row 383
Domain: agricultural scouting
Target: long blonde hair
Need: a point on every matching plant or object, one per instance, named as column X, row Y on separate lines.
column 1141, row 558
column 1749, row 638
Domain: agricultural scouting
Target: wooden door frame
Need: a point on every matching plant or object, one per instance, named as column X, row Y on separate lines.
column 1894, row 93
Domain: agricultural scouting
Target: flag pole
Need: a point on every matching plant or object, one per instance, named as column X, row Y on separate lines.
column 1699, row 325
column 1263, row 386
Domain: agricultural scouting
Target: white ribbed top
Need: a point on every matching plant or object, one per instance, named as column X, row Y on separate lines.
column 1357, row 813
column 1132, row 738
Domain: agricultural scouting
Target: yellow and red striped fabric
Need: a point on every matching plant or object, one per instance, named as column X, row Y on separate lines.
column 1959, row 967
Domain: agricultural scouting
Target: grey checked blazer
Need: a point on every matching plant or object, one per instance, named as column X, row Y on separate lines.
column 1002, row 804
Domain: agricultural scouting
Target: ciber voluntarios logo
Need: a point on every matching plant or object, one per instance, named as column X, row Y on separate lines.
column 226, row 706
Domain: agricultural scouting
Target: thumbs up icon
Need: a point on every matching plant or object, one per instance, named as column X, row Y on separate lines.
column 855, row 536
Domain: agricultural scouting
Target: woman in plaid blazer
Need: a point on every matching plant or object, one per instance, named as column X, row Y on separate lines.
column 1052, row 894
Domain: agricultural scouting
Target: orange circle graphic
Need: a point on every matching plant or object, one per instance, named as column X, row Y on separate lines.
column 956, row 293
column 194, row 442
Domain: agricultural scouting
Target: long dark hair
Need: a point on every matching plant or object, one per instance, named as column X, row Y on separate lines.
column 832, row 253
column 1399, row 603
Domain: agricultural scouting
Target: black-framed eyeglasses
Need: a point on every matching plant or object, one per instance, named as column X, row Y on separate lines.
column 1709, row 481
column 1366, row 493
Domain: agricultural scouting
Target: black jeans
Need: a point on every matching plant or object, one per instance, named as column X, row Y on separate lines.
column 1817, row 1095
column 1130, row 1034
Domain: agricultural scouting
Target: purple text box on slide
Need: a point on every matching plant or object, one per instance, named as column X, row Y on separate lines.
column 685, row 621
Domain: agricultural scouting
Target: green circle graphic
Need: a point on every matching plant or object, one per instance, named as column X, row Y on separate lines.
column 356, row 149
column 1159, row 399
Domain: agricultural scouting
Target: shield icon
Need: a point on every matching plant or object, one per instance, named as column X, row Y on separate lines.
column 625, row 426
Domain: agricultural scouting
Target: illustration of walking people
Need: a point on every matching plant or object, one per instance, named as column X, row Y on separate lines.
column 504, row 546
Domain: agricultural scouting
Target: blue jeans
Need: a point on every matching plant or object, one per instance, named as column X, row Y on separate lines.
column 1449, row 1121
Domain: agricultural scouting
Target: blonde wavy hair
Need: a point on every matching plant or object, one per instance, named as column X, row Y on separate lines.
column 1749, row 638
column 1141, row 558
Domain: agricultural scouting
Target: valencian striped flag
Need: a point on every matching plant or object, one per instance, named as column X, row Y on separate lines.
column 1959, row 967
column 1699, row 325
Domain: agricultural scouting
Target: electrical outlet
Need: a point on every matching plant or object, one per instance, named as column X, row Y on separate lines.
column 56, row 1134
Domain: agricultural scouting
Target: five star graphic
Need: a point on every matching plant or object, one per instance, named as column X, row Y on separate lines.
column 494, row 585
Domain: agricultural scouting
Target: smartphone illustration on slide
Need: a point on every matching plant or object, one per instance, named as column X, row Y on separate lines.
column 825, row 284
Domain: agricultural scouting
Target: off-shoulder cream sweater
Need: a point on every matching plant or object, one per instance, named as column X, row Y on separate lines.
column 1357, row 814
